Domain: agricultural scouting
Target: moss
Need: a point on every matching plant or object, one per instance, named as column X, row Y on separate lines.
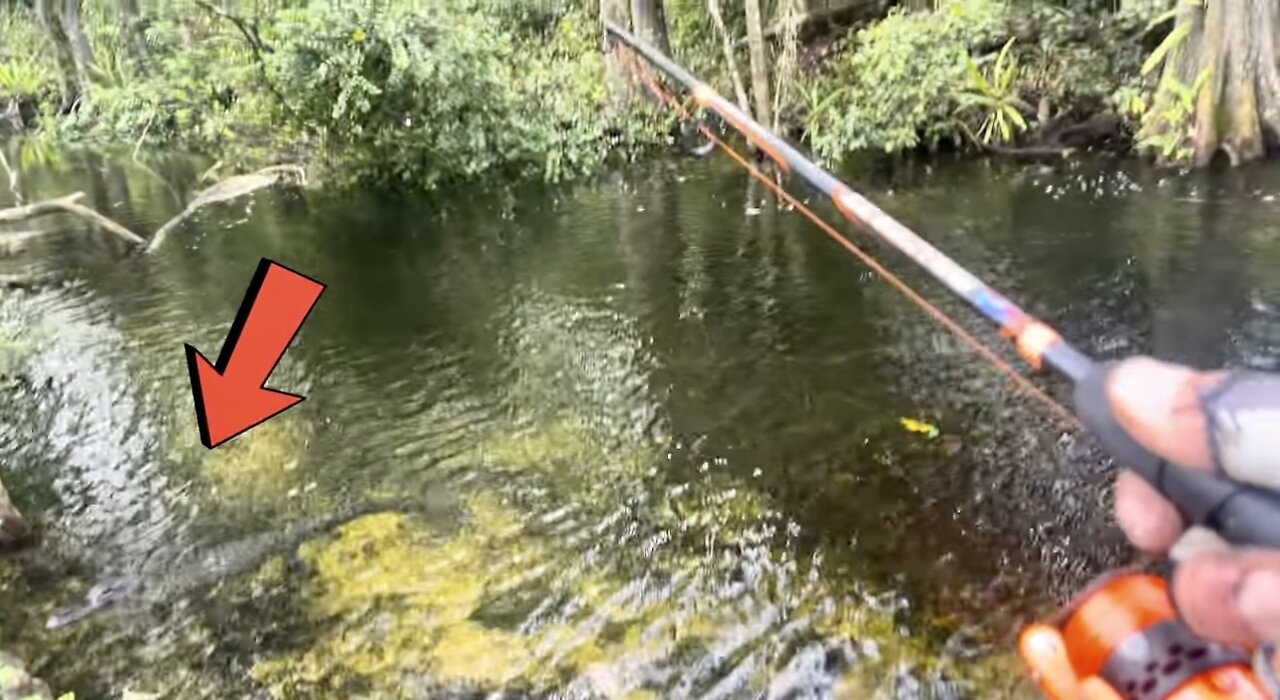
column 260, row 469
column 560, row 440
column 405, row 597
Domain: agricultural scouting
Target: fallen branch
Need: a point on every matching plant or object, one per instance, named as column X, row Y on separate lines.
column 223, row 191
column 69, row 205
column 1013, row 151
column 226, row 190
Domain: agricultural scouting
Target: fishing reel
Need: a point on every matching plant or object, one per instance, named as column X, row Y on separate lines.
column 1122, row 640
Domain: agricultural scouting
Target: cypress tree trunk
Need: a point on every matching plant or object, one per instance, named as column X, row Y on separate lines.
column 51, row 21
column 131, row 29
column 80, row 50
column 618, row 12
column 759, row 52
column 1237, row 111
column 650, row 23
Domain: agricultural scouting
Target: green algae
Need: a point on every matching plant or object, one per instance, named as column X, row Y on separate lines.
column 400, row 605
column 259, row 471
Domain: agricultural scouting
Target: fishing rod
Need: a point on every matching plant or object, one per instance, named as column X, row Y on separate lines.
column 1239, row 513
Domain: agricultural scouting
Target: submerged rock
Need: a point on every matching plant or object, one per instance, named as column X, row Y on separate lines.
column 17, row 684
column 14, row 530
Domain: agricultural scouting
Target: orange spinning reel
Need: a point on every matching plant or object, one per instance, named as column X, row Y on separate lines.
column 1122, row 640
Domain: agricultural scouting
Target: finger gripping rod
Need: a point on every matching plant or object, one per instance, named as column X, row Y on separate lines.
column 1239, row 513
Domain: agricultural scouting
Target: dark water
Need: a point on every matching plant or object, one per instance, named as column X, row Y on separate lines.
column 641, row 436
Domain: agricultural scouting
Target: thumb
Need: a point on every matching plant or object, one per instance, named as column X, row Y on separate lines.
column 1190, row 418
column 1159, row 405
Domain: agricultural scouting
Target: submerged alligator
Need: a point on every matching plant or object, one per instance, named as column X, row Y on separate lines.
column 166, row 581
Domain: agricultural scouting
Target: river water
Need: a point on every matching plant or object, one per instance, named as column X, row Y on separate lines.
column 637, row 437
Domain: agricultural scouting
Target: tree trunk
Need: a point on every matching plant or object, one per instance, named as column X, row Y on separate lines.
column 80, row 50
column 920, row 5
column 759, row 62
column 51, row 21
column 1237, row 110
column 787, row 64
column 131, row 29
column 618, row 12
column 650, row 22
column 730, row 59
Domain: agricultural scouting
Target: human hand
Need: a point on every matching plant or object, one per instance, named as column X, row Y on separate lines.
column 1230, row 595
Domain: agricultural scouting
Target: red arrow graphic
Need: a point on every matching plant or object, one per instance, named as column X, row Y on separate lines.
column 230, row 396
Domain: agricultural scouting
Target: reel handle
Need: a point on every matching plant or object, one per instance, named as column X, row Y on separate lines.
column 1122, row 640
column 1241, row 514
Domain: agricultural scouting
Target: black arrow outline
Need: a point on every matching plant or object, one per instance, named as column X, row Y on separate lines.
column 229, row 347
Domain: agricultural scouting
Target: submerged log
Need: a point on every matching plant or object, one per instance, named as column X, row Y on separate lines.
column 69, row 205
column 226, row 190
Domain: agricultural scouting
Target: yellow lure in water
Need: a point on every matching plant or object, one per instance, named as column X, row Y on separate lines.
column 921, row 427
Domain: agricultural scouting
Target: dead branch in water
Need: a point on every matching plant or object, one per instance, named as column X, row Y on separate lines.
column 226, row 190
column 231, row 188
column 69, row 205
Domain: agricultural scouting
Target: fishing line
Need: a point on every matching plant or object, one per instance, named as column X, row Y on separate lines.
column 1020, row 382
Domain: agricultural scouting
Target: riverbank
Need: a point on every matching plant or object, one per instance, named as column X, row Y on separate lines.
column 414, row 98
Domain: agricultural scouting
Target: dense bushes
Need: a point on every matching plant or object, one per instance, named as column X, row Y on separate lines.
column 918, row 79
column 27, row 81
column 420, row 93
column 415, row 94
column 892, row 89
column 440, row 93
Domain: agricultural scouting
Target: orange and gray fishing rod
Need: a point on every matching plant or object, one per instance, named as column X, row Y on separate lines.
column 1241, row 514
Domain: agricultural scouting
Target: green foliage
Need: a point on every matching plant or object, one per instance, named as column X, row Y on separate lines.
column 913, row 80
column 407, row 94
column 26, row 73
column 444, row 93
column 994, row 96
column 897, row 85
column 1170, row 42
column 1080, row 59
column 1168, row 129
column 695, row 41
column 22, row 78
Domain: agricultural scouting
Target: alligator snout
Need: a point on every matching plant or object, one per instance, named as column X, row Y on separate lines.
column 102, row 596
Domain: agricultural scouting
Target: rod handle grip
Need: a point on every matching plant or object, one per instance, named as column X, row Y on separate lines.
column 1241, row 514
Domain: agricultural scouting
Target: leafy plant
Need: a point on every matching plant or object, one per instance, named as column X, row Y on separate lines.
column 23, row 78
column 1171, row 40
column 994, row 96
column 816, row 100
column 897, row 83
column 1169, row 130
column 423, row 96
